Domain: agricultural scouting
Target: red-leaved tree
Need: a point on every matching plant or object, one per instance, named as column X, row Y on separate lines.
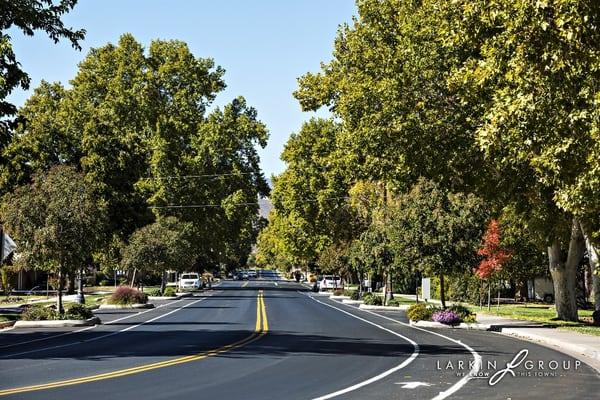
column 494, row 255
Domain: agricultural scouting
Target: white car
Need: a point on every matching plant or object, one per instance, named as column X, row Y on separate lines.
column 330, row 282
column 190, row 281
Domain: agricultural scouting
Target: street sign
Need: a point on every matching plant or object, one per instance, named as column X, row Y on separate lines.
column 426, row 289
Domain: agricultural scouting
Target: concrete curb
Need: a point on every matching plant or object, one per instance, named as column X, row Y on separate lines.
column 401, row 307
column 346, row 301
column 433, row 324
column 124, row 306
column 58, row 323
column 339, row 297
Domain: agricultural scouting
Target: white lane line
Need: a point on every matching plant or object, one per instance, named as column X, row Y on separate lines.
column 104, row 336
column 89, row 327
column 410, row 359
column 458, row 385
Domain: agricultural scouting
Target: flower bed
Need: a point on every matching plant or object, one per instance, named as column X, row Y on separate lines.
column 452, row 315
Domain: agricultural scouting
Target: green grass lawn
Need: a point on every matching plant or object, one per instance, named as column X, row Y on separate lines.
column 404, row 300
column 16, row 300
column 542, row 313
column 94, row 299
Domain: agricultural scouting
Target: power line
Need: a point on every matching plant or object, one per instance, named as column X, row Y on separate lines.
column 243, row 204
column 198, row 176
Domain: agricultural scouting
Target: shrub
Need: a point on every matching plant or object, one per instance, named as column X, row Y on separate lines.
column 154, row 292
column 447, row 317
column 372, row 300
column 420, row 312
column 39, row 313
column 77, row 311
column 104, row 282
column 127, row 295
column 596, row 317
column 169, row 291
column 470, row 319
column 354, row 295
column 394, row 302
column 338, row 292
column 460, row 310
column 348, row 292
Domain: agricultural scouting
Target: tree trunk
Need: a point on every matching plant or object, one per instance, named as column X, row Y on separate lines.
column 593, row 257
column 71, row 283
column 489, row 302
column 564, row 273
column 133, row 277
column 523, row 293
column 59, row 300
column 442, row 291
column 361, row 279
column 163, row 282
column 388, row 288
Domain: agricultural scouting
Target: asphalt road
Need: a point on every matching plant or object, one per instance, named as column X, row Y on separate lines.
column 275, row 340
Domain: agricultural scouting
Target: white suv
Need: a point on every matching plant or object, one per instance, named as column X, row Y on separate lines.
column 330, row 282
column 190, row 280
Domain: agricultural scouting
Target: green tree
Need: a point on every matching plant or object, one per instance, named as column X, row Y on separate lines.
column 57, row 221
column 437, row 230
column 40, row 140
column 219, row 171
column 158, row 247
column 497, row 98
column 334, row 260
column 309, row 197
column 134, row 121
column 28, row 16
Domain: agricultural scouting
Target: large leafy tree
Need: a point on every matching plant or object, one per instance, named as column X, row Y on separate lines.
column 40, row 140
column 492, row 97
column 57, row 221
column 437, row 230
column 158, row 247
column 28, row 16
column 134, row 122
column 309, row 197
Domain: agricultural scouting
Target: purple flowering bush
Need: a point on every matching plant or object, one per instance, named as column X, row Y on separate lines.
column 447, row 317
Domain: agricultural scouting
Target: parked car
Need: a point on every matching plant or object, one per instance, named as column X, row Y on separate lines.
column 329, row 282
column 190, row 281
column 241, row 276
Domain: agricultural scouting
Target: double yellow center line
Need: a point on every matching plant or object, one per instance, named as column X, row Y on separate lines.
column 262, row 327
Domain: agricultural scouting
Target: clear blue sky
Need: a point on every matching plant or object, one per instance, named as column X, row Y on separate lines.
column 264, row 45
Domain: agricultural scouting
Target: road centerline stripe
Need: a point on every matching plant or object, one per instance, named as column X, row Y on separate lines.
column 260, row 330
column 106, row 335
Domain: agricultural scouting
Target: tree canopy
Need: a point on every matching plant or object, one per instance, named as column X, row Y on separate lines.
column 57, row 221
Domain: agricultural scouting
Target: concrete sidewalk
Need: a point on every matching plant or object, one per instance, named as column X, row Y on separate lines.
column 580, row 345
